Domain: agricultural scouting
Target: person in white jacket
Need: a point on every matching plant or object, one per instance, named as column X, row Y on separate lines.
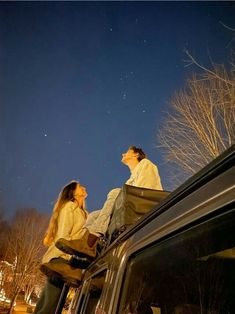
column 143, row 174
column 68, row 217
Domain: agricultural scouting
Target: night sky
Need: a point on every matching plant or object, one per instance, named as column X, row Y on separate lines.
column 81, row 81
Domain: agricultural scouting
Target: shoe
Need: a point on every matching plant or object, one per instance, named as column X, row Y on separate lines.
column 62, row 271
column 86, row 246
column 81, row 262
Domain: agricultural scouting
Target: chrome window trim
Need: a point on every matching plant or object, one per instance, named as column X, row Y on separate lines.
column 97, row 272
column 86, row 284
column 119, row 277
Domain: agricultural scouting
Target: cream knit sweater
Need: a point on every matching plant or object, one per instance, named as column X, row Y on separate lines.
column 145, row 175
column 70, row 222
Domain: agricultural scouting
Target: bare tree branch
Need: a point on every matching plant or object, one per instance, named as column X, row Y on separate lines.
column 200, row 124
column 226, row 26
column 215, row 73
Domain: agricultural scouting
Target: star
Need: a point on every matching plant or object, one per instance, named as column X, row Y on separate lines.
column 45, row 135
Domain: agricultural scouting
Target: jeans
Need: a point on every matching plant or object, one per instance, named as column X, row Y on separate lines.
column 98, row 221
column 50, row 295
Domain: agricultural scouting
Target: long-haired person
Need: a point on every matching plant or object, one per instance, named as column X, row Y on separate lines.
column 68, row 217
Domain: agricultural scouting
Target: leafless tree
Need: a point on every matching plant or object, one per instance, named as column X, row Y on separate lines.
column 25, row 248
column 200, row 124
column 32, row 283
column 3, row 229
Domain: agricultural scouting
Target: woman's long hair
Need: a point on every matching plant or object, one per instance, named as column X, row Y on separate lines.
column 66, row 195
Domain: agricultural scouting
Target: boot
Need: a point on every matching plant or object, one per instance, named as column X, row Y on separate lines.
column 63, row 272
column 86, row 246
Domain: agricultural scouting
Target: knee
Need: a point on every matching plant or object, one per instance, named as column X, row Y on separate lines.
column 113, row 193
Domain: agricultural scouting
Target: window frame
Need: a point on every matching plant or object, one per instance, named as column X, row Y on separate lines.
column 83, row 301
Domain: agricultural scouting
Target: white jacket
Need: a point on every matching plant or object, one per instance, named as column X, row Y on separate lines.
column 70, row 222
column 145, row 175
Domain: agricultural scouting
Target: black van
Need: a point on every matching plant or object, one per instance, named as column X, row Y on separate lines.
column 179, row 258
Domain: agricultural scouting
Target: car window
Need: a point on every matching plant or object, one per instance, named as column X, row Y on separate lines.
column 90, row 300
column 191, row 272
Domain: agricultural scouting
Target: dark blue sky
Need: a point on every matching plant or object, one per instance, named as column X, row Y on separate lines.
column 81, row 81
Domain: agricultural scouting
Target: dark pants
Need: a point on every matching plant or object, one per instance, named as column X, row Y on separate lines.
column 50, row 296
